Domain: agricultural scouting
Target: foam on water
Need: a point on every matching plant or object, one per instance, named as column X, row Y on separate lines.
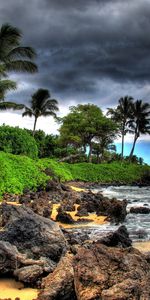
column 138, row 225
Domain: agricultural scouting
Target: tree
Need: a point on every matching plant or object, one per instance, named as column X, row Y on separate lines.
column 105, row 138
column 140, row 121
column 122, row 115
column 13, row 57
column 41, row 105
column 81, row 126
column 17, row 141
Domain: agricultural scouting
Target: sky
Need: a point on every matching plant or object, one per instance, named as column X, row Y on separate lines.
column 88, row 51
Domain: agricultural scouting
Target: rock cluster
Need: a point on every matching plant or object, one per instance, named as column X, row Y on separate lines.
column 30, row 245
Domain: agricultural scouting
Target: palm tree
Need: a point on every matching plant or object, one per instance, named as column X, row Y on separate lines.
column 41, row 105
column 13, row 56
column 140, row 121
column 122, row 115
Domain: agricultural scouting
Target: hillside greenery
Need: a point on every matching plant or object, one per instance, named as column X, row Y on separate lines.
column 18, row 173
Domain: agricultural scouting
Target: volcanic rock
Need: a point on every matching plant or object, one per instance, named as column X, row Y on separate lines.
column 60, row 283
column 140, row 210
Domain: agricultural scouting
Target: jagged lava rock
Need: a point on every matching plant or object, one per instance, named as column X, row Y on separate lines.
column 59, row 284
column 140, row 210
column 109, row 273
column 29, row 231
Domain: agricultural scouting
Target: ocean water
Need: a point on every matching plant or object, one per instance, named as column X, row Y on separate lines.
column 138, row 225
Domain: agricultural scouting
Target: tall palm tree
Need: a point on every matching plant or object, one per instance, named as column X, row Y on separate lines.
column 41, row 105
column 122, row 115
column 140, row 121
column 13, row 56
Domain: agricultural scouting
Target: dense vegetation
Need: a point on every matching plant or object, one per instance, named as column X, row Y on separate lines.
column 124, row 172
column 17, row 141
column 18, row 173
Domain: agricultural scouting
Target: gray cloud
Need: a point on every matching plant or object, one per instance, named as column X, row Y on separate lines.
column 87, row 50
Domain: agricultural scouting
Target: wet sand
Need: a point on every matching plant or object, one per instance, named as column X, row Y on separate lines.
column 96, row 220
column 9, row 288
column 142, row 246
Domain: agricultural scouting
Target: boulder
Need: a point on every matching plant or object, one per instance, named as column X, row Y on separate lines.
column 59, row 284
column 29, row 231
column 119, row 238
column 140, row 210
column 113, row 209
column 63, row 217
column 29, row 274
column 109, row 273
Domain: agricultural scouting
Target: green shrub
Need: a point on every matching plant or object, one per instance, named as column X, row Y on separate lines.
column 19, row 172
column 17, row 141
column 119, row 172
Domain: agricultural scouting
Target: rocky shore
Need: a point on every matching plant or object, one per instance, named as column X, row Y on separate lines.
column 38, row 252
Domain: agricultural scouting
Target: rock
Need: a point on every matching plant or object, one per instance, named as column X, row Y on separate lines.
column 67, row 205
column 74, row 237
column 9, row 258
column 65, row 188
column 41, row 206
column 109, row 273
column 114, row 209
column 82, row 212
column 119, row 238
column 63, row 217
column 83, row 220
column 139, row 210
column 29, row 274
column 59, row 284
column 53, row 185
column 27, row 230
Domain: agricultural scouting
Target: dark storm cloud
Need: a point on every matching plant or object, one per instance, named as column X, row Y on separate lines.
column 83, row 44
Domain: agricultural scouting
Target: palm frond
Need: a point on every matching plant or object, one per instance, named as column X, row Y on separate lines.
column 48, row 113
column 9, row 35
column 21, row 66
column 27, row 112
column 20, row 52
column 6, row 85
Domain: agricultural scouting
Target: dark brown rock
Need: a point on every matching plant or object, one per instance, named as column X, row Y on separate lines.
column 119, row 238
column 114, row 209
column 140, row 210
column 63, row 217
column 111, row 274
column 59, row 284
column 29, row 274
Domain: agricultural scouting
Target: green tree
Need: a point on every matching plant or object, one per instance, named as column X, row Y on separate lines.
column 105, row 138
column 13, row 57
column 140, row 121
column 81, row 126
column 41, row 105
column 122, row 115
column 17, row 141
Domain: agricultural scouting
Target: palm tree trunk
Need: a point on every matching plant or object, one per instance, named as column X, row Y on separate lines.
column 122, row 145
column 35, row 121
column 132, row 150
